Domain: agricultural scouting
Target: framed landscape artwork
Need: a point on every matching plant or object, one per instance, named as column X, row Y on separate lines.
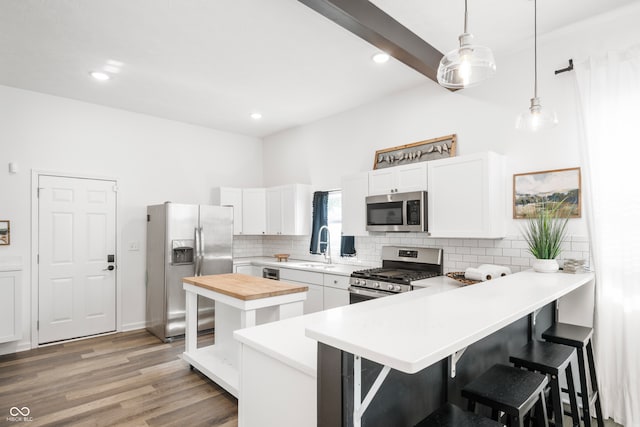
column 422, row 151
column 5, row 236
column 535, row 190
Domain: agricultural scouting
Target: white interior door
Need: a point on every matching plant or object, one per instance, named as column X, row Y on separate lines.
column 76, row 278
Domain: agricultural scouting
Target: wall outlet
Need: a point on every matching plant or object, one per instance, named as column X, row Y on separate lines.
column 134, row 246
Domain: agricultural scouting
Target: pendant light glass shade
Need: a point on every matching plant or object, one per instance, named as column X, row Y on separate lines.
column 468, row 65
column 536, row 118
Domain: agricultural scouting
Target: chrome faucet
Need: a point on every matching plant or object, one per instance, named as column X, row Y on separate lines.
column 327, row 250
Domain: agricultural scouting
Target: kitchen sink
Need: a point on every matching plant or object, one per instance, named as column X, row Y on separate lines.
column 318, row 266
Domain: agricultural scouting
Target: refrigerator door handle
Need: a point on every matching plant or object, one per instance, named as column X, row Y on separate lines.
column 201, row 251
column 197, row 248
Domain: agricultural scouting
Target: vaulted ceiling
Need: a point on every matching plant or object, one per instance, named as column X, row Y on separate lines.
column 213, row 63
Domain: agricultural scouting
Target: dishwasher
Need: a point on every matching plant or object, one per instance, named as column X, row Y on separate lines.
column 271, row 273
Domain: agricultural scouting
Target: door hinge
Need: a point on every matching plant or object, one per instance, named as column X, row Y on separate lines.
column 38, row 325
column 38, row 259
column 38, row 193
column 115, row 188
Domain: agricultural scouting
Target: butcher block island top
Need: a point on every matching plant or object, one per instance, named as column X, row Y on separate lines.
column 243, row 286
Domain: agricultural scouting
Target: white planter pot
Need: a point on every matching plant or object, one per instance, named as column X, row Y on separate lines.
column 545, row 265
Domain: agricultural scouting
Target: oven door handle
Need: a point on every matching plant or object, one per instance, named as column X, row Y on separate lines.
column 369, row 292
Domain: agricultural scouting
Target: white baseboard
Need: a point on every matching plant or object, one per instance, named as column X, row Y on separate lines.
column 133, row 326
column 14, row 347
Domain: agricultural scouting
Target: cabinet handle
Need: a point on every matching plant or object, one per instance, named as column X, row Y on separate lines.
column 335, row 282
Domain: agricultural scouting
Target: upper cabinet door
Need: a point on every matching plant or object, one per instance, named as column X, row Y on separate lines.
column 398, row 179
column 467, row 196
column 289, row 210
column 274, row 210
column 228, row 196
column 254, row 207
column 354, row 210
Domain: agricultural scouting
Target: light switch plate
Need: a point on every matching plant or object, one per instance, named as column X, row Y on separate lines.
column 134, row 246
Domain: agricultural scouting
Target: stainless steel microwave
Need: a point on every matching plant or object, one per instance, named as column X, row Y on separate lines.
column 397, row 212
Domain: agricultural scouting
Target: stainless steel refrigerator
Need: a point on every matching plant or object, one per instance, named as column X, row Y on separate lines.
column 183, row 241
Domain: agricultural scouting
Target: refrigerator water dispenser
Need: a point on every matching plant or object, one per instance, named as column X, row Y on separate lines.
column 182, row 252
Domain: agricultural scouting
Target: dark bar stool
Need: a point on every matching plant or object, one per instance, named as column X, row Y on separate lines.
column 510, row 390
column 551, row 359
column 580, row 338
column 449, row 415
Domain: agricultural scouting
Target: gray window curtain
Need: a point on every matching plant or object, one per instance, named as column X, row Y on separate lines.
column 320, row 218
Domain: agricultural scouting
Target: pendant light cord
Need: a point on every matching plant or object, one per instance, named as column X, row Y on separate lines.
column 535, row 48
column 465, row 16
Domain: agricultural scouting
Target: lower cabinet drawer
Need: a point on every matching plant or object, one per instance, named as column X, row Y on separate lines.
column 336, row 281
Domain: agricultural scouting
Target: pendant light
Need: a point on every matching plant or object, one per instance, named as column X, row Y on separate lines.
column 536, row 118
column 468, row 65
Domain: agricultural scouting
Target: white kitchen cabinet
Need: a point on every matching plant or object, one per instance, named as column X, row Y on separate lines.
column 335, row 290
column 467, row 196
column 398, row 179
column 355, row 189
column 314, row 281
column 228, row 196
column 248, row 269
column 288, row 209
column 254, row 217
column 11, row 313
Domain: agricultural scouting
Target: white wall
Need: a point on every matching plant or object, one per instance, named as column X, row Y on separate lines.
column 483, row 117
column 154, row 160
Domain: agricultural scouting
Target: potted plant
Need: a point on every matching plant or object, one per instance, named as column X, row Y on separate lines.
column 544, row 233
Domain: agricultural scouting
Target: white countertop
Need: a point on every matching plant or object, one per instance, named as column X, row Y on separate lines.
column 296, row 264
column 285, row 340
column 411, row 331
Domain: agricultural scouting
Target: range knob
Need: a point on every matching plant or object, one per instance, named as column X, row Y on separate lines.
column 397, row 288
column 390, row 287
column 376, row 284
column 361, row 282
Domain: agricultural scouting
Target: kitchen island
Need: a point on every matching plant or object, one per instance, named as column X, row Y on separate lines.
column 422, row 340
column 238, row 298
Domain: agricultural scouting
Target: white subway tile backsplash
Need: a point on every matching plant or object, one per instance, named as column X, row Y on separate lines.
column 503, row 243
column 502, row 260
column 494, row 251
column 470, row 243
column 520, row 261
column 486, row 243
column 459, row 254
column 511, row 252
column 463, row 250
column 477, row 251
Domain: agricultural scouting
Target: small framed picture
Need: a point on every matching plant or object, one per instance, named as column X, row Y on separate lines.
column 5, row 233
column 535, row 190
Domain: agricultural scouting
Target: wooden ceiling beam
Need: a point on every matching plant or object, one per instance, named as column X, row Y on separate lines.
column 364, row 19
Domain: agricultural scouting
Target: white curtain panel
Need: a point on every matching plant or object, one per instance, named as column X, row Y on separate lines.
column 609, row 98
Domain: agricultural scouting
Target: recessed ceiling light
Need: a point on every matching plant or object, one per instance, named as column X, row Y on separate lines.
column 99, row 75
column 111, row 69
column 380, row 58
column 256, row 116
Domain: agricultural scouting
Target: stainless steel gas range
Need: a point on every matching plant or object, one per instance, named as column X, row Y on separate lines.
column 403, row 269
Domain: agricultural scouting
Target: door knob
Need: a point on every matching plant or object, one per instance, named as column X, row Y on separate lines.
column 110, row 268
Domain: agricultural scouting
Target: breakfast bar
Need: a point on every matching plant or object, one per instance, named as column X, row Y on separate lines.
column 239, row 298
column 426, row 337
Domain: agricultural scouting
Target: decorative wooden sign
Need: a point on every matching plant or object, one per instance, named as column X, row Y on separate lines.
column 422, row 151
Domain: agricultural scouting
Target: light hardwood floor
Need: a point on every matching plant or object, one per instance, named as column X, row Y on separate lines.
column 124, row 379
